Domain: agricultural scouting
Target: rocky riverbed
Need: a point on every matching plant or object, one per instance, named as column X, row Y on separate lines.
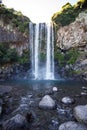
column 42, row 105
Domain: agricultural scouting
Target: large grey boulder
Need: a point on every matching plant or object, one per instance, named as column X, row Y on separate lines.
column 47, row 102
column 17, row 122
column 71, row 125
column 80, row 113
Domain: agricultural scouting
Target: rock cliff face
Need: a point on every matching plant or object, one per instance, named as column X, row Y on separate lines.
column 75, row 36
column 13, row 37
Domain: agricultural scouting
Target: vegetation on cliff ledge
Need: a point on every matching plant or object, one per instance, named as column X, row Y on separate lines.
column 68, row 13
column 10, row 55
column 14, row 18
column 7, row 55
column 67, row 58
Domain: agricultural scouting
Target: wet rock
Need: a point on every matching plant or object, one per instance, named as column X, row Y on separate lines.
column 55, row 89
column 84, row 88
column 1, row 101
column 23, row 108
column 48, row 92
column 84, row 62
column 80, row 113
column 54, row 125
column 17, row 122
column 67, row 100
column 61, row 111
column 55, row 122
column 65, row 113
column 83, row 93
column 71, row 125
column 0, row 110
column 5, row 89
column 24, row 105
column 47, row 102
column 30, row 95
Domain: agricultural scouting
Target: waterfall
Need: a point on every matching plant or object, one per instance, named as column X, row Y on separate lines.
column 31, row 41
column 50, row 53
column 36, row 51
column 48, row 61
column 41, row 39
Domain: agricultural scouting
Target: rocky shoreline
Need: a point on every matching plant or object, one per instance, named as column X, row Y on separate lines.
column 42, row 110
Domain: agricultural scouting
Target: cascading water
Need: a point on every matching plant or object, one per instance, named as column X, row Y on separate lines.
column 50, row 53
column 31, row 41
column 36, row 51
column 48, row 61
column 41, row 39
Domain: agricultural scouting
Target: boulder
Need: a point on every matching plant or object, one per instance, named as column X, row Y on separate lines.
column 55, row 89
column 17, row 122
column 47, row 102
column 5, row 89
column 67, row 100
column 80, row 113
column 71, row 125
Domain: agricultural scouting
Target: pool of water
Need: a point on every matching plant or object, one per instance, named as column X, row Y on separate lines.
column 43, row 84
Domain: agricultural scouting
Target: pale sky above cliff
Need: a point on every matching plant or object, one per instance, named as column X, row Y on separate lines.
column 37, row 10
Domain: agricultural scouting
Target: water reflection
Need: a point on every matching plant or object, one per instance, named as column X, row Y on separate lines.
column 43, row 84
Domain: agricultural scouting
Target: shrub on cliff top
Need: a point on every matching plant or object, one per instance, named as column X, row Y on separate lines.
column 14, row 18
column 68, row 13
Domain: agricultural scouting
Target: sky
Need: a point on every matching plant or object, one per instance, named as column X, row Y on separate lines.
column 37, row 10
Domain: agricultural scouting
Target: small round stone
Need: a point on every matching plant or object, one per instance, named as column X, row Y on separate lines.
column 55, row 89
column 67, row 100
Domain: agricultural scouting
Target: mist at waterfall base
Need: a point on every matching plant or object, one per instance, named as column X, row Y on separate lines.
column 41, row 42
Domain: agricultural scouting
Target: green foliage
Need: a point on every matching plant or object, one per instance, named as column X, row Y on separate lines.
column 69, row 57
column 58, row 56
column 11, row 55
column 25, row 57
column 14, row 18
column 6, row 54
column 68, row 13
column 72, row 55
column 65, row 16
